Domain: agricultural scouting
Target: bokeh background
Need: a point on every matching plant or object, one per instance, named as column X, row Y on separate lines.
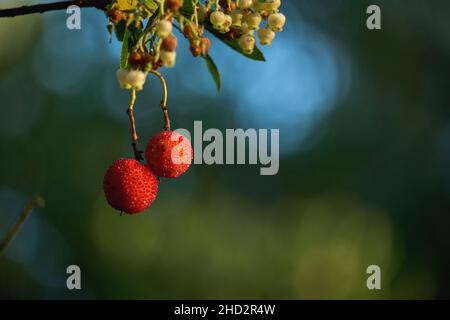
column 364, row 174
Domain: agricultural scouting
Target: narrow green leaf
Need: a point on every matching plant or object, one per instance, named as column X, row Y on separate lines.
column 125, row 52
column 212, row 67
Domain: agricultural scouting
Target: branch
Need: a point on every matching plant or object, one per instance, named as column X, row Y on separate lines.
column 35, row 202
column 41, row 8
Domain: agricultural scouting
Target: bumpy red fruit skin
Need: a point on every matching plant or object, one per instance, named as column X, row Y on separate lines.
column 169, row 154
column 130, row 186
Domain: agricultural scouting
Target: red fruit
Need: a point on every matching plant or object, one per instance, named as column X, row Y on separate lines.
column 173, row 5
column 205, row 44
column 187, row 30
column 169, row 154
column 170, row 43
column 139, row 59
column 190, row 30
column 146, row 58
column 195, row 48
column 130, row 186
column 200, row 47
column 135, row 59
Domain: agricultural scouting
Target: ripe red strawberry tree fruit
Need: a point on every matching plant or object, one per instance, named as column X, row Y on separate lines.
column 146, row 29
column 130, row 186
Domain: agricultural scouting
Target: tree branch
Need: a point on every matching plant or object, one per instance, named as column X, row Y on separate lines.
column 35, row 202
column 41, row 8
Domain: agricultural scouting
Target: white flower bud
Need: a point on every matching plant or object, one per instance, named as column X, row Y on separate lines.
column 266, row 36
column 131, row 79
column 247, row 43
column 236, row 19
column 253, row 21
column 164, row 28
column 276, row 21
column 227, row 24
column 259, row 6
column 121, row 75
column 136, row 79
column 245, row 29
column 168, row 58
column 245, row 4
column 273, row 6
column 217, row 18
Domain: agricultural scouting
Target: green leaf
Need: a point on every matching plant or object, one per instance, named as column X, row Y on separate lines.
column 187, row 8
column 119, row 30
column 213, row 71
column 234, row 44
column 151, row 6
column 125, row 52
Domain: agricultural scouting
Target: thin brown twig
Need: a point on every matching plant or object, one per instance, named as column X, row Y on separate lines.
column 164, row 99
column 41, row 8
column 35, row 202
column 134, row 136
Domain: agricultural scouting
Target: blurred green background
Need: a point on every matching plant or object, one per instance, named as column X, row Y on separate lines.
column 364, row 169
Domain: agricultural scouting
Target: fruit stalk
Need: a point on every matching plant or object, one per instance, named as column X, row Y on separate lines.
column 164, row 100
column 134, row 136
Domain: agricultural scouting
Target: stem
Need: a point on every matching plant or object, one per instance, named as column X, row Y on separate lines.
column 35, row 202
column 134, row 136
column 41, row 8
column 161, row 6
column 164, row 99
column 148, row 30
column 194, row 5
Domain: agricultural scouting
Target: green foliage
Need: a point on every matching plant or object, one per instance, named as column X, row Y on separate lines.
column 151, row 6
column 187, row 8
column 213, row 71
column 119, row 30
column 129, row 35
column 125, row 52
